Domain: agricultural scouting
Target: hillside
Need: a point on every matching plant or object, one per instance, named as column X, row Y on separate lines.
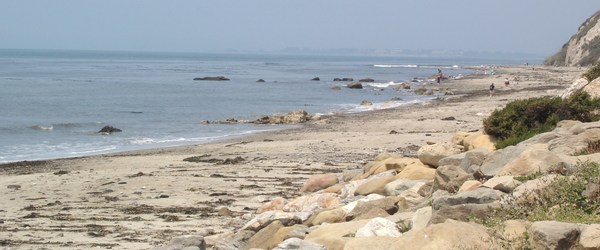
column 583, row 49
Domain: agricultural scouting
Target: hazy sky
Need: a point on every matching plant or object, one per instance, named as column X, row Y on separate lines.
column 525, row 26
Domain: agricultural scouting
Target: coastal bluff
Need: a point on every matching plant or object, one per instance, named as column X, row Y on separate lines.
column 583, row 48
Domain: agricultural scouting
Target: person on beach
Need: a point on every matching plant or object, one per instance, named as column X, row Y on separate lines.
column 439, row 76
column 506, row 82
column 492, row 90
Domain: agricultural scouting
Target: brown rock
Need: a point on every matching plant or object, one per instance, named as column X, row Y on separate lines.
column 318, row 182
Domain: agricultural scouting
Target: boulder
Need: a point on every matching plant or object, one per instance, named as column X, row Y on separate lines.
column 295, row 243
column 350, row 188
column 316, row 79
column 554, row 235
column 590, row 237
column 188, row 242
column 376, row 242
column 479, row 140
column 265, row 237
column 389, row 204
column 535, row 158
column 260, row 80
column 421, row 218
column 496, row 160
column 593, row 88
column 276, row 204
column 373, row 212
column 286, row 218
column 574, row 87
column 378, row 227
column 374, row 185
column 417, row 171
column 505, row 183
column 354, row 85
column 398, row 186
column 459, row 138
column 351, row 205
column 477, row 196
column 109, row 130
column 432, row 154
column 450, row 234
column 211, row 78
column 470, row 185
column 366, row 80
column 328, row 216
column 530, row 190
column 463, row 212
column 318, row 182
column 229, row 240
column 334, row 236
column 312, row 202
column 299, row 116
column 450, row 178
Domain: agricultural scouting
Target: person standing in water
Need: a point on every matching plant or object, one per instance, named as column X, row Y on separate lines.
column 439, row 76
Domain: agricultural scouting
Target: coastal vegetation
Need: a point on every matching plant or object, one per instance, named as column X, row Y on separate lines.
column 592, row 73
column 520, row 120
column 572, row 198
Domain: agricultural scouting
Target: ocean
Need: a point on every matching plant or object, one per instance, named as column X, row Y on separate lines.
column 53, row 103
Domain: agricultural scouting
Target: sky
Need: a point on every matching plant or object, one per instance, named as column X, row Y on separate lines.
column 513, row 26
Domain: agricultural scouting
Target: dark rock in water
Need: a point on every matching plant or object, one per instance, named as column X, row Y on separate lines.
column 109, row 130
column 345, row 79
column 366, row 80
column 354, row 85
column 212, row 78
column 316, row 79
column 260, row 80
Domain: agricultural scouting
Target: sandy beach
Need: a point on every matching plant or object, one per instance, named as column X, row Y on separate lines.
column 141, row 199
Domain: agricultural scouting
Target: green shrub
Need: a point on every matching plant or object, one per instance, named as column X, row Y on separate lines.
column 523, row 119
column 592, row 73
column 564, row 199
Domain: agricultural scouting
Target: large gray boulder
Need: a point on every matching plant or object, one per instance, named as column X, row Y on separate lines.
column 554, row 235
column 450, row 178
column 478, row 196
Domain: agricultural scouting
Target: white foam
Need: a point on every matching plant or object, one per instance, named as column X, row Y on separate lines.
column 396, row 66
column 383, row 85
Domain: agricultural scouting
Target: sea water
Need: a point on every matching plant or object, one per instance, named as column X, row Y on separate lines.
column 53, row 103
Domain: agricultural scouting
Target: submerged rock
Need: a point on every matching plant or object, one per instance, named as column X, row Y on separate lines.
column 211, row 78
column 109, row 130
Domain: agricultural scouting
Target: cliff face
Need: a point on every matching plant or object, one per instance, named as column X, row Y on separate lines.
column 583, row 49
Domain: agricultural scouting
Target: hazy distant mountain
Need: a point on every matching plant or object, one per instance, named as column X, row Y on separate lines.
column 583, row 49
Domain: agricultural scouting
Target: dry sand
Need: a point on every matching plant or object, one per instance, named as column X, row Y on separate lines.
column 137, row 200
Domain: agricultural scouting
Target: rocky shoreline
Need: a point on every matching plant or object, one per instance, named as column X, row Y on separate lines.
column 304, row 184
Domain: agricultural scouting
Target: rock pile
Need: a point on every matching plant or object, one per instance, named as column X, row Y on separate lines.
column 427, row 202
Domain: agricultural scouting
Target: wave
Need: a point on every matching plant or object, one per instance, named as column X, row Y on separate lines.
column 396, row 66
column 383, row 85
column 42, row 127
column 357, row 108
column 417, row 66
